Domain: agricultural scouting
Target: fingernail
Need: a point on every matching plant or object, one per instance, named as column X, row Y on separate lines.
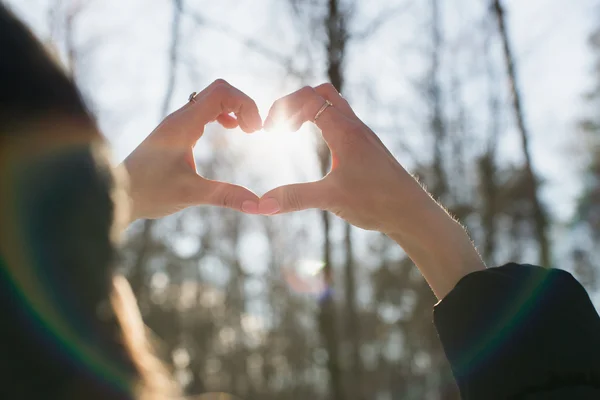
column 250, row 207
column 268, row 206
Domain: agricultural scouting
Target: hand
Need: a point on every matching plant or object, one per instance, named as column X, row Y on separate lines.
column 370, row 189
column 366, row 185
column 162, row 170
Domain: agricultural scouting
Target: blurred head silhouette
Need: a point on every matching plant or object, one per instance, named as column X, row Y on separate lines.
column 70, row 329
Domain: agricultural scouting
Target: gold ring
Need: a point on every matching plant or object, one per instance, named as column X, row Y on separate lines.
column 323, row 108
column 192, row 97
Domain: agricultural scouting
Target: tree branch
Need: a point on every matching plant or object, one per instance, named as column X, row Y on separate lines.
column 250, row 43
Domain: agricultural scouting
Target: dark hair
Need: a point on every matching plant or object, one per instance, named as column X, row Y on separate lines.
column 60, row 332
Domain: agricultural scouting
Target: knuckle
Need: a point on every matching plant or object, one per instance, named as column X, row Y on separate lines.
column 307, row 90
column 326, row 87
column 225, row 200
column 225, row 197
column 220, row 82
column 353, row 133
column 252, row 104
column 279, row 109
column 292, row 199
column 276, row 104
column 246, row 103
column 220, row 90
column 355, row 129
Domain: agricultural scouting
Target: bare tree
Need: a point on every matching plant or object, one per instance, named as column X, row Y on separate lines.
column 336, row 27
column 434, row 89
column 487, row 163
column 136, row 276
column 539, row 215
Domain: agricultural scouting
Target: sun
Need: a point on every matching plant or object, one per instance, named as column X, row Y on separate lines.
column 278, row 156
column 262, row 160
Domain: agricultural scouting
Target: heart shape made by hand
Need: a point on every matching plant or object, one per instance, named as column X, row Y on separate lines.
column 163, row 169
column 363, row 186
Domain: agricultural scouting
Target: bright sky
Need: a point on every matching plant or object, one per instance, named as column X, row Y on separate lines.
column 124, row 74
column 555, row 66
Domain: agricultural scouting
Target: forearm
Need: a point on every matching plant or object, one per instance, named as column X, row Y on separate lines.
column 437, row 244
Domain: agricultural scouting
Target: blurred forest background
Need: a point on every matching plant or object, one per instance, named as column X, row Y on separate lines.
column 493, row 104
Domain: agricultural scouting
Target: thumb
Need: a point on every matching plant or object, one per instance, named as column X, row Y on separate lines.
column 227, row 195
column 296, row 197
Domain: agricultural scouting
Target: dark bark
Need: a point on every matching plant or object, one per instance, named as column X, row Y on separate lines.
column 488, row 168
column 336, row 35
column 440, row 185
column 336, row 49
column 539, row 216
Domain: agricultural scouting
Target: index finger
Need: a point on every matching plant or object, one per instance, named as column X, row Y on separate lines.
column 303, row 105
column 222, row 98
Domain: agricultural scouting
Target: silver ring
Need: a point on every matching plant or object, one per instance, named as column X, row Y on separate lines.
column 192, row 97
column 322, row 109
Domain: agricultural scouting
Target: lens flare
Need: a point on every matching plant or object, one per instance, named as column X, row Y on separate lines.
column 306, row 276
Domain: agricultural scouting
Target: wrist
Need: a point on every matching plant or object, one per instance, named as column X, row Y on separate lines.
column 130, row 197
column 122, row 201
column 438, row 245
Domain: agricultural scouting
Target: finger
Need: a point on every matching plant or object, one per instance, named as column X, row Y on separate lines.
column 295, row 122
column 222, row 98
column 302, row 106
column 329, row 92
column 227, row 121
column 296, row 197
column 222, row 194
column 289, row 109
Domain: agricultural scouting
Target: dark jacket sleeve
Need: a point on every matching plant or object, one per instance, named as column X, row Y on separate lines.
column 521, row 332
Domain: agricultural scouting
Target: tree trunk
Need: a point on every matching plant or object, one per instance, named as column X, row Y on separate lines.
column 334, row 25
column 487, row 166
column 539, row 216
column 336, row 50
column 440, row 185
